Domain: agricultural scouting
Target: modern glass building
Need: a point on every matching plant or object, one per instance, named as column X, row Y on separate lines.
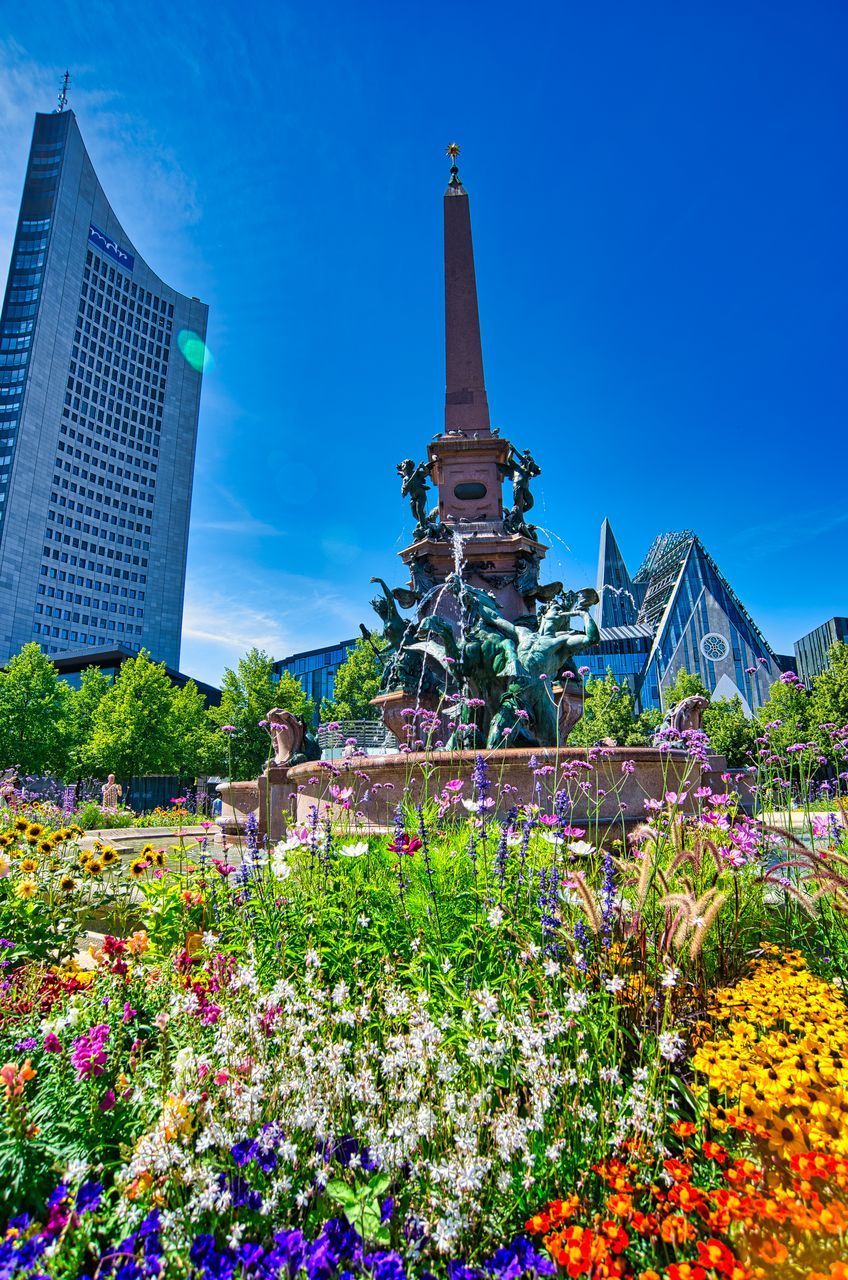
column 316, row 669
column 678, row 612
column 812, row 651
column 98, row 420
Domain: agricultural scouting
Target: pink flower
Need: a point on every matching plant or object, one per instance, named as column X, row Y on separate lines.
column 51, row 1043
column 455, row 784
column 228, row 728
column 108, row 1100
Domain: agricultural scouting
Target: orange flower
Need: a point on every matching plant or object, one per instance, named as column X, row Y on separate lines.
column 685, row 1271
column 773, row 1251
column 683, row 1128
column 677, row 1230
column 678, row 1170
column 715, row 1254
column 714, row 1151
column 620, row 1205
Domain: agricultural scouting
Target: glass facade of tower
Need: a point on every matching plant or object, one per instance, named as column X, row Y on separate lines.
column 812, row 651
column 681, row 614
column 98, row 422
column 316, row 669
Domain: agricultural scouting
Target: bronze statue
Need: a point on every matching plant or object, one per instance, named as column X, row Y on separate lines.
column 414, row 486
column 521, row 469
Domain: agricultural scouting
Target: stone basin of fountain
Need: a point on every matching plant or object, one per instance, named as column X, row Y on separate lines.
column 611, row 799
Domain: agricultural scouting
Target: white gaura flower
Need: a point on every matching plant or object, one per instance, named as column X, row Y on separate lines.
column 496, row 917
column 670, row 976
column 185, row 1063
column 581, row 847
column 353, row 850
column 615, row 984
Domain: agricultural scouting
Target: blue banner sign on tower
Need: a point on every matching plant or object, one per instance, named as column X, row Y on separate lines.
column 110, row 247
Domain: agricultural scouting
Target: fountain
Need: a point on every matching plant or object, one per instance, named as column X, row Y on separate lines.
column 484, row 660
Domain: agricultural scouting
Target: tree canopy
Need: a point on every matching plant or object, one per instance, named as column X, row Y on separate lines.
column 248, row 694
column 357, row 682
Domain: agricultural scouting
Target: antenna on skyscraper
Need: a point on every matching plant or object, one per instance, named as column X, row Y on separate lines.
column 63, row 93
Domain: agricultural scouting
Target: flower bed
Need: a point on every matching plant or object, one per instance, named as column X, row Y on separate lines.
column 472, row 1048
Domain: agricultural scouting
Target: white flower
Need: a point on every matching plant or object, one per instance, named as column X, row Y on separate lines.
column 670, row 976
column 615, row 984
column 279, row 866
column 496, row 917
column 671, row 1045
column 446, row 965
column 551, row 968
column 76, row 1171
column 354, row 850
column 363, row 921
column 581, row 847
column 185, row 1063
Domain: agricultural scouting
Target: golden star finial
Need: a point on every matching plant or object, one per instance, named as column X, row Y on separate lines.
column 452, row 150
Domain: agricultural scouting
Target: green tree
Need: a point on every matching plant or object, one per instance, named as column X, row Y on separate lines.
column 195, row 744
column 607, row 714
column 829, row 701
column 132, row 726
column 785, row 715
column 81, row 707
column 732, row 734
column 357, row 682
column 32, row 713
column 248, row 694
column 685, row 685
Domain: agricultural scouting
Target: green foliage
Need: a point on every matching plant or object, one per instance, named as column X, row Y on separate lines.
column 248, row 694
column 195, row 743
column 731, row 733
column 829, row 702
column 32, row 709
column 81, row 707
column 357, row 682
column 685, row 685
column 133, row 731
column 788, row 710
column 608, row 714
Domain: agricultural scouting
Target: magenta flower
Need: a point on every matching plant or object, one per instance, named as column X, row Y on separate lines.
column 88, row 1054
column 51, row 1043
column 108, row 1100
column 228, row 728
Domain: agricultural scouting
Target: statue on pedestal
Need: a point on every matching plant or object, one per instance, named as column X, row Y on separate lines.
column 521, row 469
column 414, row 486
column 294, row 742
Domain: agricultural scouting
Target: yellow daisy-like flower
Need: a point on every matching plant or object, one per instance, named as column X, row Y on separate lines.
column 67, row 884
column 6, row 839
column 28, row 865
column 94, row 866
column 36, row 830
column 27, row 889
column 21, row 825
column 159, row 858
column 146, row 851
column 138, row 866
column 46, row 846
column 109, row 855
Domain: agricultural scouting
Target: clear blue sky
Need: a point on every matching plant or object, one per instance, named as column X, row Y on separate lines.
column 659, row 200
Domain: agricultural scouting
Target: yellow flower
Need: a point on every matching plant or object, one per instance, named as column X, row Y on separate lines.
column 109, row 855
column 67, row 884
column 138, row 866
column 28, row 865
column 27, row 888
column 94, row 866
column 36, row 829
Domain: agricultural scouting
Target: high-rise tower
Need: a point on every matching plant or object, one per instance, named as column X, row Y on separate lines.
column 98, row 420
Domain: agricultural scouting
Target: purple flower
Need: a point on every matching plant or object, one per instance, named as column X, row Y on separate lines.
column 108, row 1101
column 243, row 1152
column 89, row 1197
column 88, row 1055
column 52, row 1043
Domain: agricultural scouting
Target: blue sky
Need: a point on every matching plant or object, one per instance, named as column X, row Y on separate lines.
column 659, row 199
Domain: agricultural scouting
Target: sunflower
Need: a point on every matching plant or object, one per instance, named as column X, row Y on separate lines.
column 67, row 884
column 35, row 830
column 159, row 858
column 146, row 851
column 138, row 866
column 28, row 865
column 27, row 888
column 109, row 855
column 21, row 825
column 6, row 839
column 84, row 856
column 45, row 846
column 94, row 866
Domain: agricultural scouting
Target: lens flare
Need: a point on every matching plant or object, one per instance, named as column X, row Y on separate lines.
column 194, row 350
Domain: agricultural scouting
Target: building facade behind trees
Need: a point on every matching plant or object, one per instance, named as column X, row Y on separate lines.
column 98, row 420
